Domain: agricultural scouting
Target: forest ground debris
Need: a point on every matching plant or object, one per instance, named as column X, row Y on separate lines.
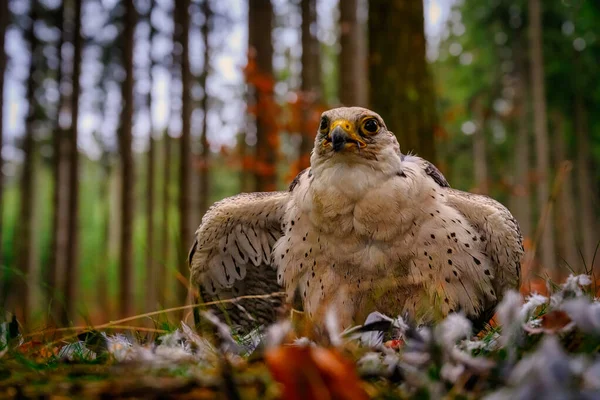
column 542, row 346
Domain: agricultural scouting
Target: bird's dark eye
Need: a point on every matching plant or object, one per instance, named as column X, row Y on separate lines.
column 324, row 124
column 371, row 125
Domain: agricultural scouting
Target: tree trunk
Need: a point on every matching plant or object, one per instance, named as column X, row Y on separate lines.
column 311, row 82
column 151, row 270
column 401, row 88
column 585, row 187
column 166, row 222
column 565, row 207
column 205, row 158
column 71, row 273
column 105, row 199
column 21, row 287
column 521, row 193
column 126, row 267
column 353, row 56
column 185, row 226
column 4, row 21
column 546, row 245
column 479, row 147
column 261, row 59
column 168, row 192
column 4, row 273
column 60, row 169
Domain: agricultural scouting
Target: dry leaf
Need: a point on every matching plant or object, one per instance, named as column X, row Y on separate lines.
column 553, row 322
column 307, row 372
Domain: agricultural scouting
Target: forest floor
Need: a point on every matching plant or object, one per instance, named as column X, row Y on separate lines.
column 542, row 346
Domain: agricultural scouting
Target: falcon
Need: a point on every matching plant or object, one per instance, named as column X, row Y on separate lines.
column 365, row 228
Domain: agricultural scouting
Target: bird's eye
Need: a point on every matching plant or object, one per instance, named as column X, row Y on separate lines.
column 324, row 124
column 371, row 125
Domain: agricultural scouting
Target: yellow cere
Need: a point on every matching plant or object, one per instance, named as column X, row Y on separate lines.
column 349, row 128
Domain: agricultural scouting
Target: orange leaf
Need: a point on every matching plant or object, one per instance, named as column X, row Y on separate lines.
column 264, row 83
column 552, row 322
column 314, row 373
column 555, row 320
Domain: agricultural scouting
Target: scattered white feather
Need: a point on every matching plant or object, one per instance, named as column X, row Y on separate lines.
column 531, row 304
column 253, row 339
column 573, row 287
column 277, row 333
column 333, row 327
column 490, row 344
column 452, row 372
column 303, row 342
column 373, row 339
column 370, row 363
column 120, row 347
column 575, row 282
column 76, row 351
column 585, row 314
column 510, row 317
column 591, row 377
column 452, row 329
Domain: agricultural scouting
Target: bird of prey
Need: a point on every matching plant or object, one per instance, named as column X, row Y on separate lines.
column 365, row 228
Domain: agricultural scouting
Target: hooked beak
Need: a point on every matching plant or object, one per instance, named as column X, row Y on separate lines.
column 343, row 135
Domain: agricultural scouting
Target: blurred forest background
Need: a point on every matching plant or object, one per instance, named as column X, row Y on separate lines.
column 123, row 121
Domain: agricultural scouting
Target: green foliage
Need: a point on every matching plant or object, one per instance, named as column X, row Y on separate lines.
column 486, row 49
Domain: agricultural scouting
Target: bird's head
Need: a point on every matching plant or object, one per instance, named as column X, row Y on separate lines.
column 353, row 134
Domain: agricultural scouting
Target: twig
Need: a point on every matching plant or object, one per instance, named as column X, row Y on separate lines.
column 528, row 262
column 187, row 307
column 89, row 328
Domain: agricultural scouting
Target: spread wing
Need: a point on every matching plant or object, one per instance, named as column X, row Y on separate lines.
column 495, row 225
column 500, row 232
column 231, row 255
column 496, row 228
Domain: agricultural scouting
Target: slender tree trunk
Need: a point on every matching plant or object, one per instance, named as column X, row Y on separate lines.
column 21, row 288
column 261, row 57
column 169, row 192
column 58, row 246
column 185, row 226
column 353, row 56
column 311, row 81
column 71, row 274
column 166, row 221
column 521, row 193
column 479, row 147
column 127, row 199
column 546, row 245
column 105, row 198
column 401, row 88
column 205, row 159
column 4, row 21
column 565, row 207
column 151, row 270
column 585, row 187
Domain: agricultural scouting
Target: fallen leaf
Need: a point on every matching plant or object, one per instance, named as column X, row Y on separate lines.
column 553, row 322
column 308, row 372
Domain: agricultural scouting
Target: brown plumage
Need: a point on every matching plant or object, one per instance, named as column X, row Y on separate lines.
column 365, row 228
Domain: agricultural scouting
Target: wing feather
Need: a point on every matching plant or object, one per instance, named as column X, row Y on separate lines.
column 231, row 257
column 236, row 233
column 500, row 232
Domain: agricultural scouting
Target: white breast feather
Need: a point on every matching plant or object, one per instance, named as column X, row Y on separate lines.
column 356, row 229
